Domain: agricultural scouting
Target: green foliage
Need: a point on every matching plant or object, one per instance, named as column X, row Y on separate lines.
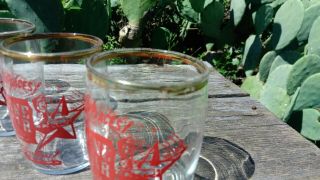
column 6, row 14
column 81, row 16
column 87, row 16
column 226, row 61
column 47, row 15
column 162, row 38
column 211, row 19
column 199, row 5
column 187, row 11
column 111, row 43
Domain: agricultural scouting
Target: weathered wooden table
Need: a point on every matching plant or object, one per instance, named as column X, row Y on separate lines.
column 270, row 148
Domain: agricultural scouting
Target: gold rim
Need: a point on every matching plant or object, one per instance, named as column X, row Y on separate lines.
column 188, row 86
column 28, row 27
column 63, row 56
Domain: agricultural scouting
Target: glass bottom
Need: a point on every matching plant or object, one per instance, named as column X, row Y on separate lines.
column 7, row 133
column 64, row 171
column 6, row 128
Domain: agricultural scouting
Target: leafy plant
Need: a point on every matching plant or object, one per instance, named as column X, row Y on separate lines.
column 82, row 16
column 111, row 43
column 36, row 11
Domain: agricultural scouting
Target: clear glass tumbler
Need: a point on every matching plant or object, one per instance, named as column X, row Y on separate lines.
column 144, row 115
column 44, row 80
column 9, row 28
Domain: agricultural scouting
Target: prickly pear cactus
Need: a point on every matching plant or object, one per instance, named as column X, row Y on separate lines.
column 279, row 77
column 309, row 94
column 286, row 57
column 310, row 16
column 276, row 100
column 262, row 18
column 276, row 3
column 310, row 124
column 253, row 86
column 252, row 52
column 285, row 27
column 211, row 19
column 301, row 70
column 314, row 38
column 274, row 95
column 288, row 80
column 134, row 10
column 265, row 65
column 237, row 10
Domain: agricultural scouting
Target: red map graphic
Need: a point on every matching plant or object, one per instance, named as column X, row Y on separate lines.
column 52, row 124
column 122, row 155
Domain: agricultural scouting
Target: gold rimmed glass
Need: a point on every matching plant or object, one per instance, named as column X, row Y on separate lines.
column 44, row 79
column 145, row 111
column 9, row 28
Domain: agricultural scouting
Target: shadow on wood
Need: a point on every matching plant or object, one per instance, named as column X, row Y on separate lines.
column 222, row 159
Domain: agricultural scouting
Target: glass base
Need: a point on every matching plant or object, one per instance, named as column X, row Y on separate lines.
column 7, row 133
column 64, row 171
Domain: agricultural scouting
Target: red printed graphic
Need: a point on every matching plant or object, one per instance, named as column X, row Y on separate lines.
column 2, row 95
column 122, row 154
column 21, row 116
column 52, row 123
column 17, row 82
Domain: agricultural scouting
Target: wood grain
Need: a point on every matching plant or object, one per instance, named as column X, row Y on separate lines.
column 278, row 152
column 220, row 87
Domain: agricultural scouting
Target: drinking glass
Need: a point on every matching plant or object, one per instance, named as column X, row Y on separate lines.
column 144, row 115
column 44, row 80
column 9, row 28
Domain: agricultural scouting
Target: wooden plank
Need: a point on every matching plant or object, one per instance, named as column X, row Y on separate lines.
column 220, row 87
column 15, row 167
column 278, row 151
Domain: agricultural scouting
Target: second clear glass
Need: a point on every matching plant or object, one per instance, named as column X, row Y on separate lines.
column 43, row 76
column 145, row 111
column 10, row 28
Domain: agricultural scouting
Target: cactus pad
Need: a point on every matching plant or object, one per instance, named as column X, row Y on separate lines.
column 309, row 94
column 285, row 27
